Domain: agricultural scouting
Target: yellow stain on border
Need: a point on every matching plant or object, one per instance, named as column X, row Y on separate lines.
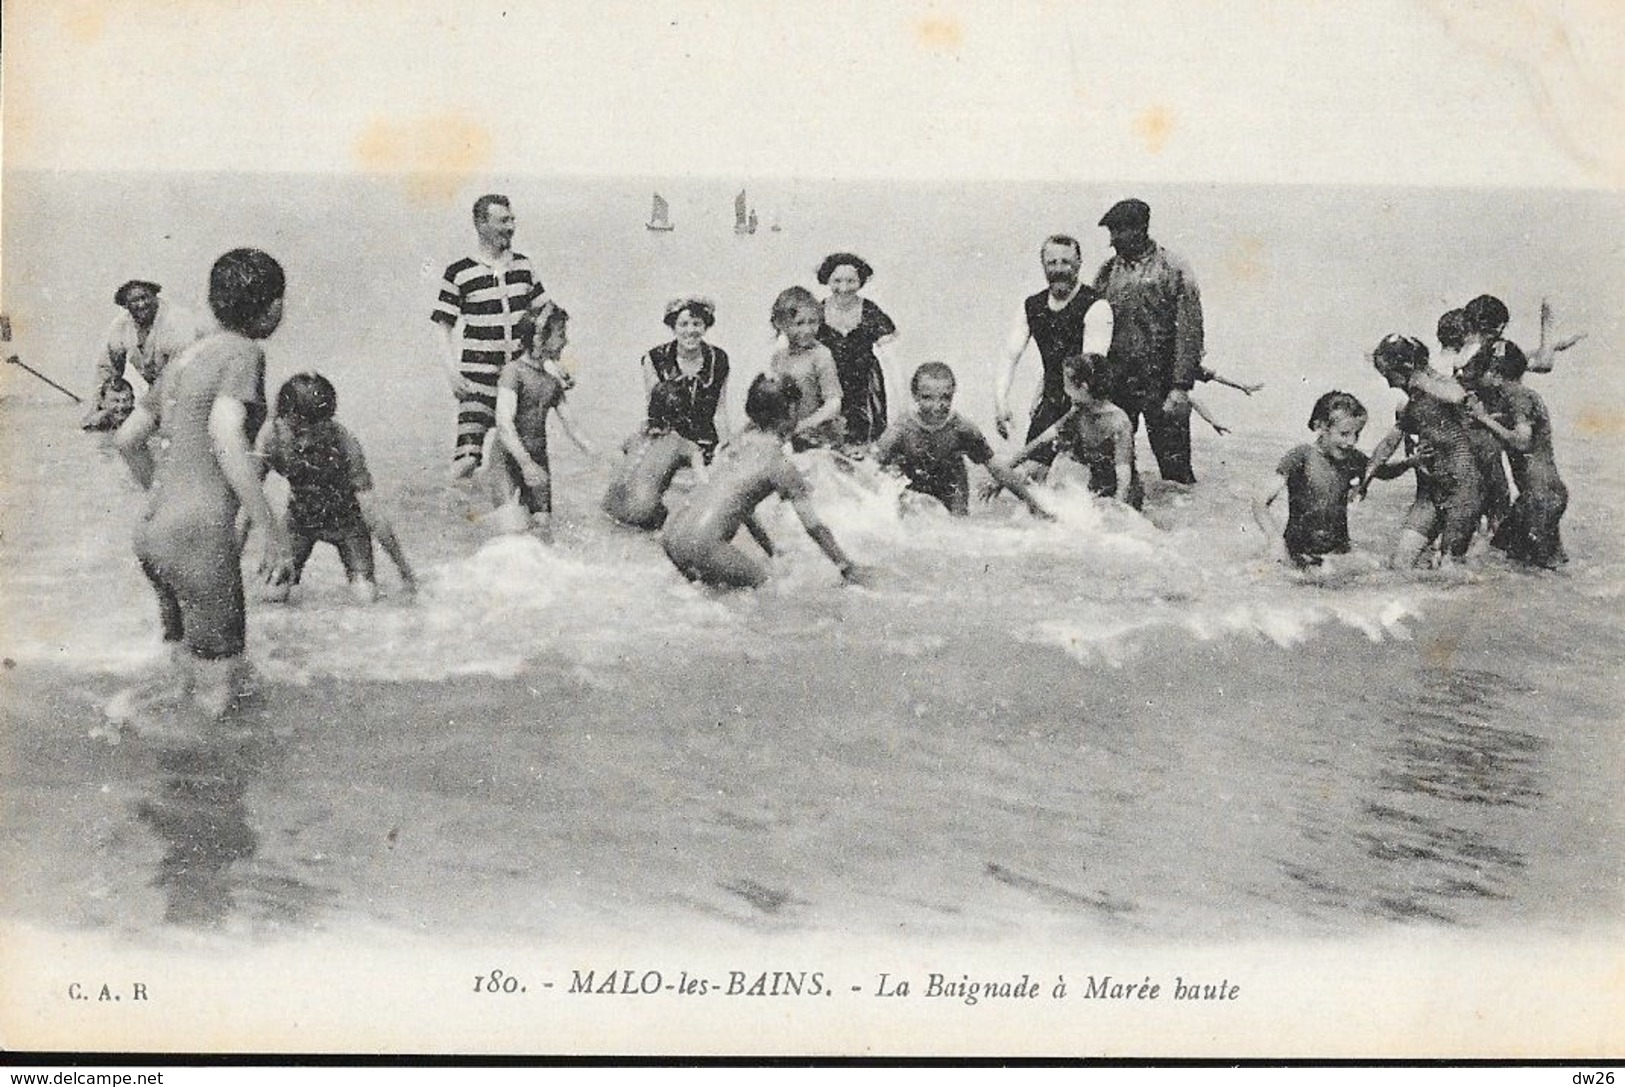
column 1154, row 126
column 940, row 34
column 1601, row 422
column 84, row 23
column 432, row 155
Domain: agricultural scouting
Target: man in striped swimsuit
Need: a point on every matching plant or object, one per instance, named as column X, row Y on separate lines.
column 481, row 299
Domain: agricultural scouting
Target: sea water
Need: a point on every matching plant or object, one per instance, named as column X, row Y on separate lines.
column 1111, row 724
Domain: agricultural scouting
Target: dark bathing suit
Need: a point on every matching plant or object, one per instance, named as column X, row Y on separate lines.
column 325, row 469
column 1058, row 334
column 863, row 383
column 702, row 392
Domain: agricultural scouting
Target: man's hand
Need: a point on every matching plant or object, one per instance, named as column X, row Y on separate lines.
column 1002, row 420
column 1177, row 402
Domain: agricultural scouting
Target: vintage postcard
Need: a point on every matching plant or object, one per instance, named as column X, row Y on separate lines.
column 918, row 529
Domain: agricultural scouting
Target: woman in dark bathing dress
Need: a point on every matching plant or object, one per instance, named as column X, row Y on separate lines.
column 853, row 326
column 699, row 371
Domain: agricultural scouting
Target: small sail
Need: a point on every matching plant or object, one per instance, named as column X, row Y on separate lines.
column 741, row 224
column 659, row 215
column 750, row 227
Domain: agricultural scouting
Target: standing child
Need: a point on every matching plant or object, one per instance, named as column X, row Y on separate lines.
column 653, row 456
column 699, row 538
column 931, row 444
column 797, row 317
column 204, row 410
column 1450, row 490
column 530, row 386
column 330, row 495
column 1317, row 478
column 1517, row 416
column 1096, row 433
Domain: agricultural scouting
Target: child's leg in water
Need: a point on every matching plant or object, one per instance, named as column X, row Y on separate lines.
column 720, row 564
column 1416, row 536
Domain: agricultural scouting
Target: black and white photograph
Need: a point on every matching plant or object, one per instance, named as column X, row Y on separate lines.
column 919, row 529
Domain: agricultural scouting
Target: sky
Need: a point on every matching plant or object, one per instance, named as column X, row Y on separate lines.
column 1431, row 92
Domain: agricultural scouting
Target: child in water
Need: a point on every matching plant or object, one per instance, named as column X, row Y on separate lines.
column 204, row 410
column 1450, row 489
column 699, row 538
column 530, row 386
column 330, row 495
column 1517, row 417
column 1317, row 478
column 653, row 456
column 797, row 317
column 1095, row 433
column 930, row 446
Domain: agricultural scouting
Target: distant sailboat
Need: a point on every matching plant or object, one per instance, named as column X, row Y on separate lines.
column 775, row 228
column 744, row 216
column 660, row 215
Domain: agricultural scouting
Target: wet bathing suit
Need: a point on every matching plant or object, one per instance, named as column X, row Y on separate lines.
column 1058, row 334
column 863, row 383
column 187, row 541
column 538, row 392
column 1317, row 488
column 701, row 392
column 1450, row 491
column 325, row 469
column 1090, row 441
column 934, row 460
column 1530, row 533
column 489, row 296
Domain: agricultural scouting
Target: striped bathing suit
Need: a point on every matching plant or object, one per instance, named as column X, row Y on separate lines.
column 488, row 297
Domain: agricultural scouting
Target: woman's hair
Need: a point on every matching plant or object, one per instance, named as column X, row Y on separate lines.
column 243, row 284
column 1085, row 370
column 121, row 297
column 1452, row 330
column 1486, row 313
column 771, row 400
column 1336, row 402
column 938, row 370
column 537, row 325
column 1404, row 354
column 703, row 308
column 836, row 260
column 789, row 301
column 307, row 398
column 665, row 406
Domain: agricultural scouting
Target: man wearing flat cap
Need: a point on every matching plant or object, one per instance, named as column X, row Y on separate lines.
column 1156, row 349
column 144, row 338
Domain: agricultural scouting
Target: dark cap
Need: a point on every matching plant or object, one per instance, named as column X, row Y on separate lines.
column 1127, row 213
